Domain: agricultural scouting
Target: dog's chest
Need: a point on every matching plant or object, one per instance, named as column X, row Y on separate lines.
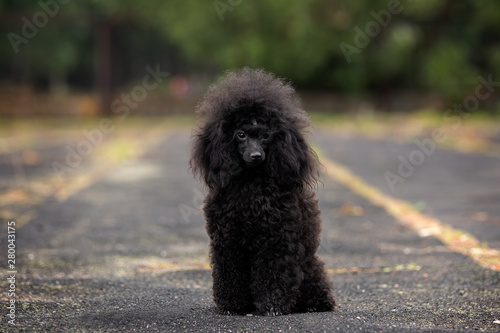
column 253, row 207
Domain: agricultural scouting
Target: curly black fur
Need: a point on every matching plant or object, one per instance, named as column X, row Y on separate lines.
column 261, row 211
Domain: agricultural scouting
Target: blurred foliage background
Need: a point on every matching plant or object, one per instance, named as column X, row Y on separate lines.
column 392, row 55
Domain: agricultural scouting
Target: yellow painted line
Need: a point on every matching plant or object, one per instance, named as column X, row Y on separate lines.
column 172, row 266
column 373, row 270
column 455, row 239
column 110, row 155
column 160, row 266
column 116, row 152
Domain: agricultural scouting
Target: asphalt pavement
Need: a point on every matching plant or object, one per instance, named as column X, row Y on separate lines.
column 121, row 245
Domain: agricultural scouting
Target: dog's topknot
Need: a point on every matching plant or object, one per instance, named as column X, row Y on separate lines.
column 252, row 87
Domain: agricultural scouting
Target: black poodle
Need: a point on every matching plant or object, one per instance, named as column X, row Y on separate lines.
column 261, row 211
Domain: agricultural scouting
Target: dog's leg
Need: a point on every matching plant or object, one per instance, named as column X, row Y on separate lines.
column 315, row 292
column 276, row 279
column 231, row 280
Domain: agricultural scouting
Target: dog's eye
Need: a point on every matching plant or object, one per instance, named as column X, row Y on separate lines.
column 265, row 136
column 242, row 135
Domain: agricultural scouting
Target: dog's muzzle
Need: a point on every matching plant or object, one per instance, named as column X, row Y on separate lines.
column 255, row 156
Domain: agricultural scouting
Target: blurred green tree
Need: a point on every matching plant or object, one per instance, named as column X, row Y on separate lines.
column 392, row 45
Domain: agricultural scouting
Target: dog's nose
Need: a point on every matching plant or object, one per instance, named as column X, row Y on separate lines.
column 256, row 156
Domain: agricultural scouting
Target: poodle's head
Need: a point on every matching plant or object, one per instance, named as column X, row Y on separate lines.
column 252, row 123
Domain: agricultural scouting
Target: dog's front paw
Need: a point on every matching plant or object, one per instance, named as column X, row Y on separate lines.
column 273, row 312
column 274, row 307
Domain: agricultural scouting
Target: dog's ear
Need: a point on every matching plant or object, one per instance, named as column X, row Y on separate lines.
column 291, row 161
column 213, row 157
